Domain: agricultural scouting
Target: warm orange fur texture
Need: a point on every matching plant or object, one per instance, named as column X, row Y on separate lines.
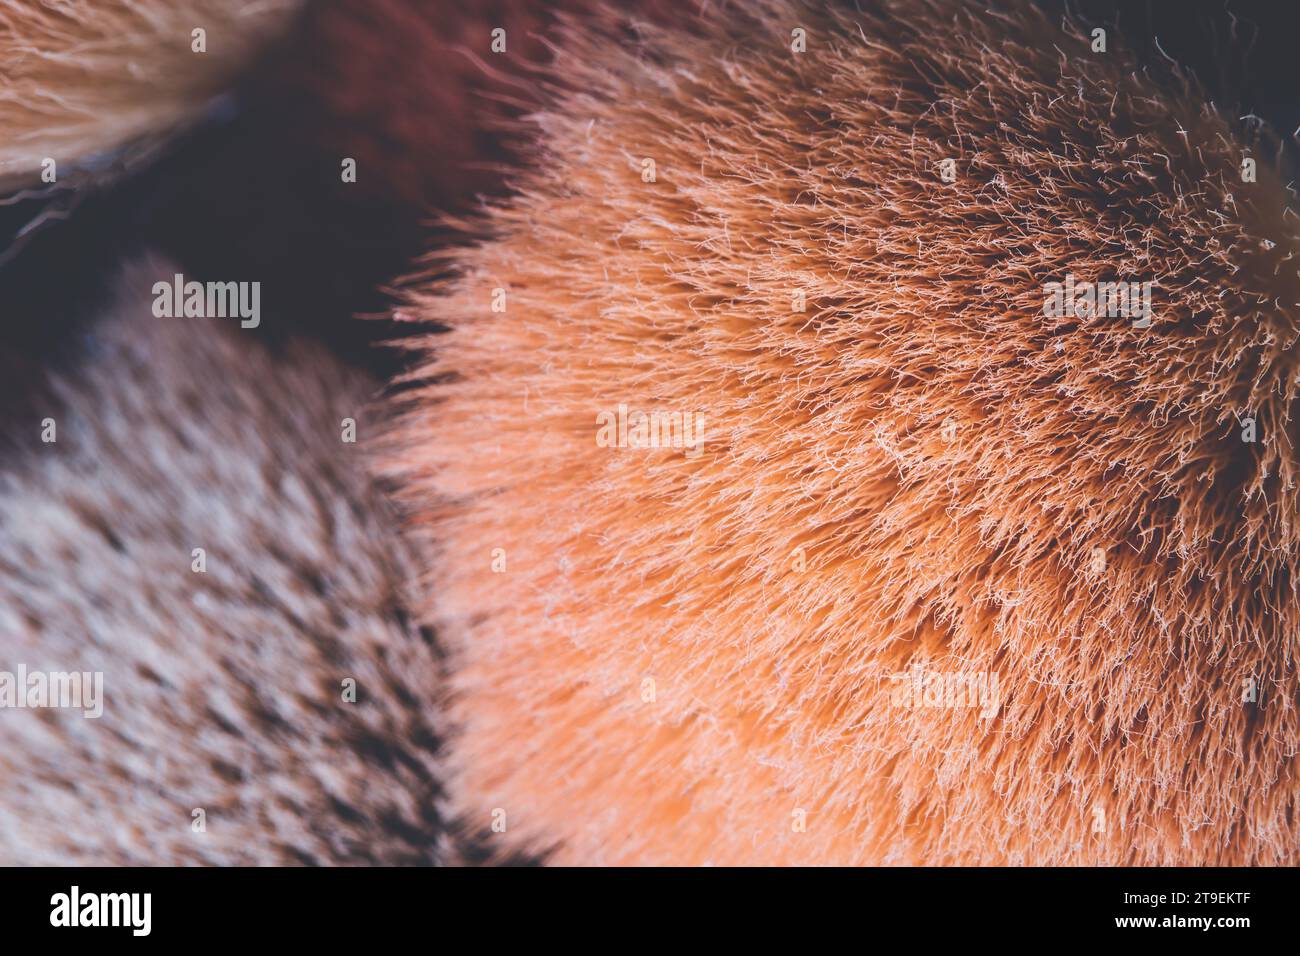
column 945, row 459
column 79, row 79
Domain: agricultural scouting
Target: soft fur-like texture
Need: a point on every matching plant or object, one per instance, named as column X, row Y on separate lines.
column 83, row 80
column 920, row 470
column 223, row 690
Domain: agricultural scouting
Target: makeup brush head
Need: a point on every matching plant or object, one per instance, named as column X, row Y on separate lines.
column 925, row 569
column 93, row 85
column 184, row 516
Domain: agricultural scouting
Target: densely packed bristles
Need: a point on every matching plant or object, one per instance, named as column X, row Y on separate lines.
column 82, row 80
column 934, row 571
column 192, row 529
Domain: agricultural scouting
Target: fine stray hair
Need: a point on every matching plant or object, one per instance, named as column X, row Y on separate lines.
column 687, row 661
column 373, row 73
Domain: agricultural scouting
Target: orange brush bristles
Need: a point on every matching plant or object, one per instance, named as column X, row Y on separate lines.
column 928, row 572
